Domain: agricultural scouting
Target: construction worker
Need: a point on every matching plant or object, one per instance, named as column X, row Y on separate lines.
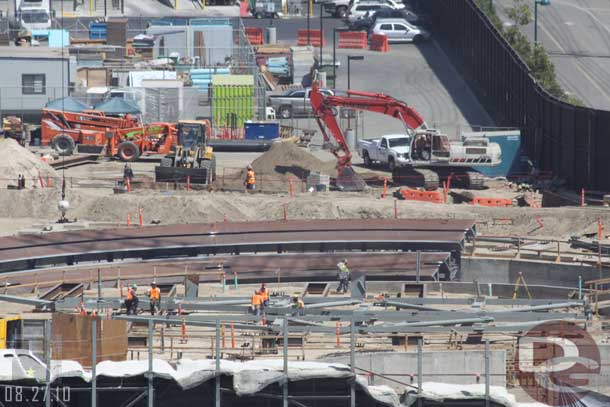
column 264, row 294
column 131, row 302
column 343, row 275
column 127, row 173
column 250, row 179
column 154, row 296
column 256, row 303
column 298, row 306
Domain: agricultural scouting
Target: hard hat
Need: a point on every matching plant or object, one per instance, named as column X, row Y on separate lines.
column 249, row 167
column 134, row 286
column 153, row 283
column 345, row 261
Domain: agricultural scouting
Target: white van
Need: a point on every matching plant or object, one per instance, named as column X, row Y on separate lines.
column 34, row 14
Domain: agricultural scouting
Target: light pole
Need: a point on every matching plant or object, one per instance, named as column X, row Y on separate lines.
column 349, row 59
column 335, row 30
column 542, row 3
column 321, row 29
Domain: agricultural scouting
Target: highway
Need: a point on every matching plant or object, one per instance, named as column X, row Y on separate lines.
column 576, row 33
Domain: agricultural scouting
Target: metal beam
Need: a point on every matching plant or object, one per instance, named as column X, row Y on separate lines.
column 43, row 304
column 187, row 321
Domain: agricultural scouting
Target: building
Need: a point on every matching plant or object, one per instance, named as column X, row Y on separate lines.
column 31, row 77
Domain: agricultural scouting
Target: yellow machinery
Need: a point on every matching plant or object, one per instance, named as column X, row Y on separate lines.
column 10, row 329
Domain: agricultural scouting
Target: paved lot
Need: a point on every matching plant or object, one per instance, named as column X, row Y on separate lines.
column 421, row 75
column 577, row 35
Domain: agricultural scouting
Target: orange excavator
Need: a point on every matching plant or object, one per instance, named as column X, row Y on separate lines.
column 428, row 155
column 125, row 137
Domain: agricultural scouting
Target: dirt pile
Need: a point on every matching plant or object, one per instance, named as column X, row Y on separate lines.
column 283, row 161
column 287, row 159
column 15, row 160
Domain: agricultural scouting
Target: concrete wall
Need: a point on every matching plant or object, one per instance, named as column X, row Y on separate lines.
column 457, row 367
column 506, row 271
column 12, row 98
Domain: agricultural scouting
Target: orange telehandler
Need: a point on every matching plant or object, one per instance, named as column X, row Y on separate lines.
column 124, row 137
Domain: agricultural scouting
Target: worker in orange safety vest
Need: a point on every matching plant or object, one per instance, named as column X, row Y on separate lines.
column 154, row 296
column 131, row 302
column 264, row 294
column 250, row 179
column 256, row 303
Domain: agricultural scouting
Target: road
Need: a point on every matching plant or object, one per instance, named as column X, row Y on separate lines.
column 576, row 33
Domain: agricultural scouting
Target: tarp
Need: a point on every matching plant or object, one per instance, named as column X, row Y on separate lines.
column 445, row 393
column 117, row 105
column 68, row 104
column 248, row 377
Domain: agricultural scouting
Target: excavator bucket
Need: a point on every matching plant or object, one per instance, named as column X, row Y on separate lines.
column 349, row 180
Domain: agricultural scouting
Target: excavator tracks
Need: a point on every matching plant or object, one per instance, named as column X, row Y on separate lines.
column 416, row 178
column 430, row 179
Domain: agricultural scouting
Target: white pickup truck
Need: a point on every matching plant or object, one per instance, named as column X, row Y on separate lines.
column 392, row 150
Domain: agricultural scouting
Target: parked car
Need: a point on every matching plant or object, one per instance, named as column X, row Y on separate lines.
column 361, row 9
column 367, row 21
column 399, row 30
column 295, row 102
column 341, row 8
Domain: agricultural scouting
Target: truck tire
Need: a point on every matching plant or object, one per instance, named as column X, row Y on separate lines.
column 285, row 112
column 341, row 12
column 128, row 151
column 63, row 144
column 367, row 159
column 391, row 164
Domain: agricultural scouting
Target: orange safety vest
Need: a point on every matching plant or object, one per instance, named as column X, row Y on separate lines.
column 250, row 180
column 155, row 293
column 256, row 299
column 265, row 294
column 129, row 294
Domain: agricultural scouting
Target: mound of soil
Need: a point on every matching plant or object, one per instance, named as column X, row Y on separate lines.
column 15, row 160
column 280, row 163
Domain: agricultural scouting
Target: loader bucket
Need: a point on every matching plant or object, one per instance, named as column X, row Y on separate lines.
column 348, row 180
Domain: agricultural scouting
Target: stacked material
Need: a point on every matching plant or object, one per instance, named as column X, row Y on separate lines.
column 302, row 61
column 278, row 66
column 233, row 100
column 15, row 160
column 318, row 181
column 202, row 78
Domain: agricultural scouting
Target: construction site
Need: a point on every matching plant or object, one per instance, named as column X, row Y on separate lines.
column 221, row 212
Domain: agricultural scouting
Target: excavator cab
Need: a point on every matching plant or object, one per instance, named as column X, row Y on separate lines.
column 430, row 146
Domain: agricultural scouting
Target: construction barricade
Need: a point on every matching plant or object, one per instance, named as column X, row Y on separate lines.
column 417, row 195
column 352, row 39
column 501, row 202
column 254, row 35
column 379, row 42
column 314, row 38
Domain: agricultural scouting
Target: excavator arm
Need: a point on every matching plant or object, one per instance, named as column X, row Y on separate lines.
column 325, row 108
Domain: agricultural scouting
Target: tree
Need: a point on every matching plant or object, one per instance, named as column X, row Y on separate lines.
column 519, row 14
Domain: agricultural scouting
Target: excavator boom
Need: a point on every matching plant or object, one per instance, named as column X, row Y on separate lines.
column 325, row 108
